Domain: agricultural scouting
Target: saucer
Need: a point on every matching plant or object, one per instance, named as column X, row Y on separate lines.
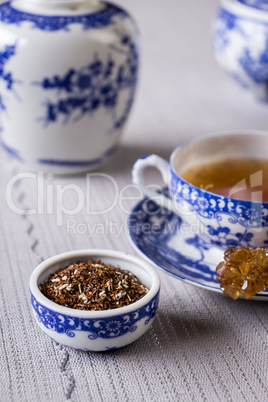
column 164, row 239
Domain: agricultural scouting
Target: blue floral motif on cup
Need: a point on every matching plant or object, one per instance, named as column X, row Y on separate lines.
column 97, row 85
column 100, row 19
column 208, row 206
column 106, row 328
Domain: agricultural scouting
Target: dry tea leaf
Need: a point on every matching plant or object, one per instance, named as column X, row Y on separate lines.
column 93, row 285
column 244, row 271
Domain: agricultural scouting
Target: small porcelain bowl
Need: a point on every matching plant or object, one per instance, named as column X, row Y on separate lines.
column 95, row 330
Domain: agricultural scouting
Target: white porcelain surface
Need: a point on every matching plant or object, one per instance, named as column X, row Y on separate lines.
column 95, row 330
column 163, row 238
column 240, row 38
column 67, row 82
column 220, row 221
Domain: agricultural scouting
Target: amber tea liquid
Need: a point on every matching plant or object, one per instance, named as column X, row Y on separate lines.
column 243, row 179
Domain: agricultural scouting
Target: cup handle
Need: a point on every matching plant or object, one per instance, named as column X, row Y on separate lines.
column 138, row 178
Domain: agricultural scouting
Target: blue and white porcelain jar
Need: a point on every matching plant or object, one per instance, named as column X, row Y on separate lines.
column 240, row 39
column 68, row 72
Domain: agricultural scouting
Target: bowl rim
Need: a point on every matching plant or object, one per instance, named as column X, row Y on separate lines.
column 93, row 253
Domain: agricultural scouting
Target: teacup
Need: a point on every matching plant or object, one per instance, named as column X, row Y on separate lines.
column 219, row 220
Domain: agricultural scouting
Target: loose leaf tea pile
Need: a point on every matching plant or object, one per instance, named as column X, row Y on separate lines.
column 244, row 271
column 93, row 285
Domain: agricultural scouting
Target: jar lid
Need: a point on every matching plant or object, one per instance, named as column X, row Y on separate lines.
column 258, row 4
column 250, row 9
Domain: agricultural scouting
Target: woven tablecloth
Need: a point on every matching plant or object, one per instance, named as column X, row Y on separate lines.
column 202, row 345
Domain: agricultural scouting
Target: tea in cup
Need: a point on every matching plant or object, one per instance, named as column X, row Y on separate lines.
column 218, row 184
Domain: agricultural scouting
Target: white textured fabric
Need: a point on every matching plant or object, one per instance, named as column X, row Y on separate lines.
column 202, row 345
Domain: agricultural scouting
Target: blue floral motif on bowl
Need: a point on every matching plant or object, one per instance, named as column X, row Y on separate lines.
column 106, row 328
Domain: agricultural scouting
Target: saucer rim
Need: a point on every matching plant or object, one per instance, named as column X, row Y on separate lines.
column 259, row 297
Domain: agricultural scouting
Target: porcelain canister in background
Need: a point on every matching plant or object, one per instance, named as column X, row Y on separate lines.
column 68, row 72
column 240, row 39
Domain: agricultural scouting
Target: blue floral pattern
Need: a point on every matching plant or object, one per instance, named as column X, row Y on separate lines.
column 151, row 229
column 246, row 216
column 6, row 76
column 106, row 328
column 163, row 238
column 258, row 4
column 93, row 91
column 97, row 85
column 14, row 153
column 12, row 16
column 241, row 46
column 8, row 80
